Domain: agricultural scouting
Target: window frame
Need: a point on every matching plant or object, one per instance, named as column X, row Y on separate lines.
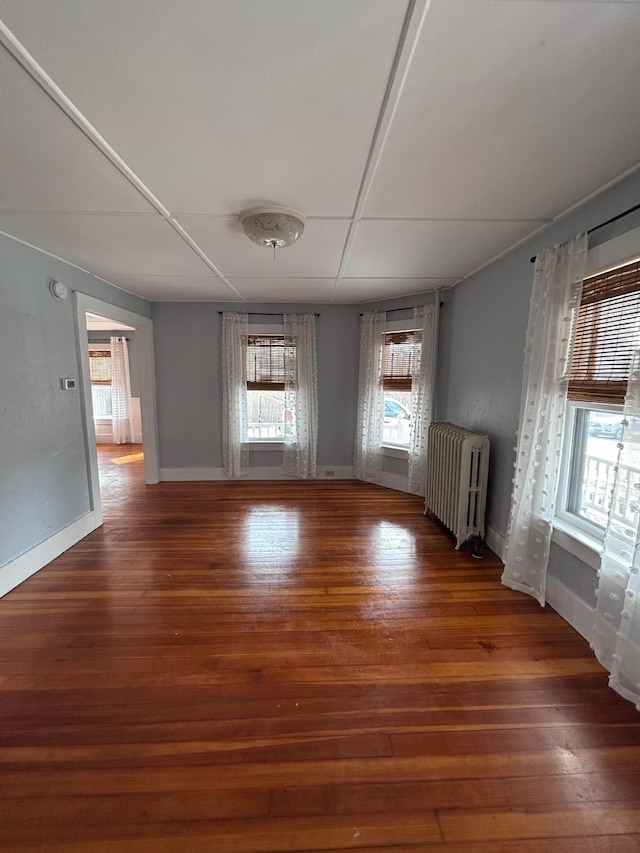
column 567, row 484
column 397, row 451
column 572, row 533
column 266, row 330
column 95, row 346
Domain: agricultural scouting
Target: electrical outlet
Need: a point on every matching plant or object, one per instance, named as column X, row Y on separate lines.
column 329, row 473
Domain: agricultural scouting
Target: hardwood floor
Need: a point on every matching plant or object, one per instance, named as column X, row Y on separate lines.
column 268, row 666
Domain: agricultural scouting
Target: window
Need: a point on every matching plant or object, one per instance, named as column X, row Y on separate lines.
column 100, row 374
column 400, row 359
column 268, row 359
column 273, row 369
column 606, row 336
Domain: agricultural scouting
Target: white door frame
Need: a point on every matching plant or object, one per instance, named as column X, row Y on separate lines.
column 147, row 383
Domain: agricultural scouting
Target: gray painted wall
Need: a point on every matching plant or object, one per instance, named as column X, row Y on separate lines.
column 482, row 354
column 43, row 470
column 187, row 340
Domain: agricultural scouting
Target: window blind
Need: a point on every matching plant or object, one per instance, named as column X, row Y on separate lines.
column 400, row 354
column 266, row 362
column 100, row 367
column 607, row 335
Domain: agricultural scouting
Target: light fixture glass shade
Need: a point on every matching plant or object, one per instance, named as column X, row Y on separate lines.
column 273, row 227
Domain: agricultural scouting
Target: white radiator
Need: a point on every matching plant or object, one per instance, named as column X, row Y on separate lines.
column 456, row 489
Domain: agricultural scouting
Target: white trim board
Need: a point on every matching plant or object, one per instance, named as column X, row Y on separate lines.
column 146, row 374
column 616, row 252
column 27, row 564
column 566, row 603
column 182, row 475
column 496, row 542
column 573, row 609
column 398, row 482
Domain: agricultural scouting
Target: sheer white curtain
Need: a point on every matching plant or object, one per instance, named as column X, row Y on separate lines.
column 300, row 395
column 235, row 445
column 557, row 286
column 616, row 633
column 370, row 423
column 421, row 400
column 121, row 405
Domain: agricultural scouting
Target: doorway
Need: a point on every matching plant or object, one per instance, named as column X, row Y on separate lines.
column 143, row 426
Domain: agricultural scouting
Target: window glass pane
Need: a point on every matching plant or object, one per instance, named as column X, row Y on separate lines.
column 101, row 398
column 266, row 415
column 594, row 456
column 397, row 418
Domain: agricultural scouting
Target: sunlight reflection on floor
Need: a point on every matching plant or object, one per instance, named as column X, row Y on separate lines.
column 271, row 535
column 126, row 460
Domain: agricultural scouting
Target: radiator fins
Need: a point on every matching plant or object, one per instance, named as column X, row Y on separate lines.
column 456, row 488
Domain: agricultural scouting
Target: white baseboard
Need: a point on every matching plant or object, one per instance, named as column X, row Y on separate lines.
column 340, row 472
column 395, row 481
column 186, row 474
column 496, row 542
column 573, row 610
column 566, row 603
column 257, row 473
column 27, row 564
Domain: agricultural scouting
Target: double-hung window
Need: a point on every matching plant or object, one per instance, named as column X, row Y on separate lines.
column 400, row 360
column 100, row 375
column 607, row 335
column 269, row 392
column 270, row 359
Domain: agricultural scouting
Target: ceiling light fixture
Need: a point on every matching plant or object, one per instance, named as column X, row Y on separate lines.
column 273, row 227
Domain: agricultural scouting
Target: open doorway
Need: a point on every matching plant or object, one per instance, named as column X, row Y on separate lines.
column 115, row 400
column 115, row 393
column 113, row 441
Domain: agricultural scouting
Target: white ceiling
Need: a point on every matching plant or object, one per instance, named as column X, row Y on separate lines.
column 420, row 139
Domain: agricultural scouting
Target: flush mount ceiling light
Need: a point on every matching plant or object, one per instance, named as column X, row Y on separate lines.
column 273, row 227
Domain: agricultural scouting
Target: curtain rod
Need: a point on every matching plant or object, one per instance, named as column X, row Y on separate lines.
column 409, row 308
column 608, row 222
column 263, row 313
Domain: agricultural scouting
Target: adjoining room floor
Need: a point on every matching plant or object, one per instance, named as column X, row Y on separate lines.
column 293, row 666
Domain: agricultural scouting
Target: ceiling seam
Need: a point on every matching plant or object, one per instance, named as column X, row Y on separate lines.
column 19, row 52
column 408, row 41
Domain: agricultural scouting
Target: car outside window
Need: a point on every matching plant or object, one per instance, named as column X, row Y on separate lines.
column 397, row 420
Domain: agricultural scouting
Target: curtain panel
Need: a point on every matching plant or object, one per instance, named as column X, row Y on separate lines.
column 555, row 299
column 121, row 405
column 616, row 633
column 370, row 422
column 421, row 400
column 300, row 396
column 235, row 443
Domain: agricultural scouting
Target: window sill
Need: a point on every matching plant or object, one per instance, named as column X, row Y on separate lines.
column 265, row 445
column 395, row 452
column 576, row 542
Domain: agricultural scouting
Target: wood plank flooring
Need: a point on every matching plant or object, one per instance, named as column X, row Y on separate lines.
column 267, row 666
